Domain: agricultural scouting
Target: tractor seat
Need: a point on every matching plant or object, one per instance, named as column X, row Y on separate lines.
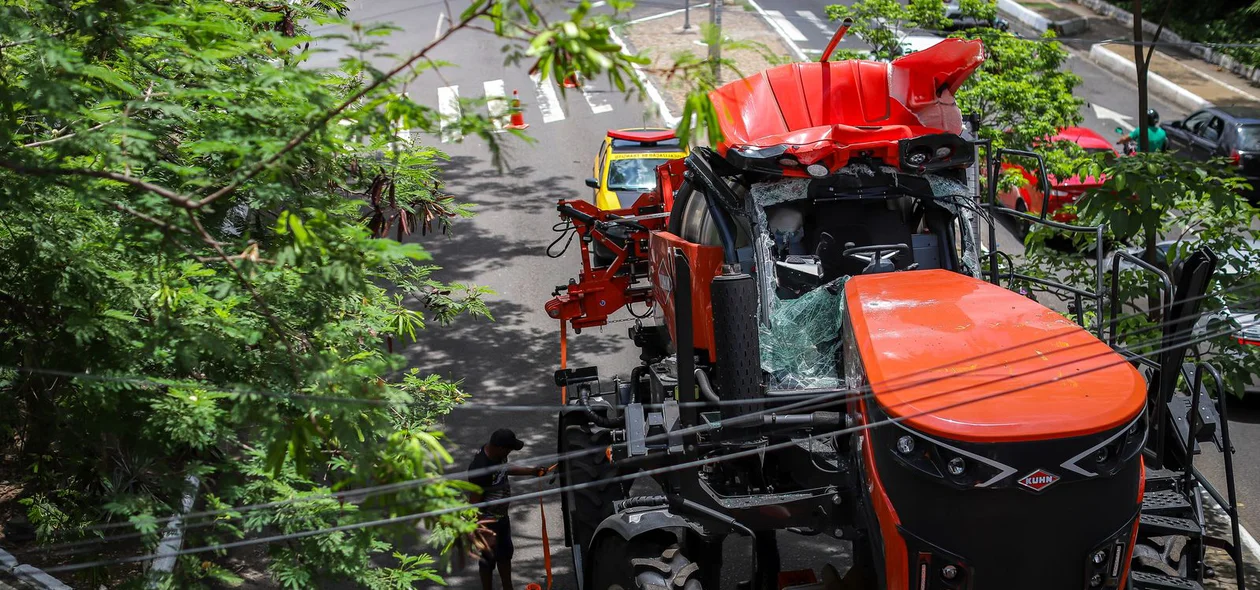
column 862, row 223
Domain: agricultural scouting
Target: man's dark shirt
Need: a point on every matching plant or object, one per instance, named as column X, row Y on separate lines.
column 494, row 484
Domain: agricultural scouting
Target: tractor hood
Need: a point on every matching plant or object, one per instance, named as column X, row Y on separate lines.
column 966, row 360
column 822, row 113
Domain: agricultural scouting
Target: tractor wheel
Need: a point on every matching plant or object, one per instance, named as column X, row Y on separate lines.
column 588, row 505
column 643, row 565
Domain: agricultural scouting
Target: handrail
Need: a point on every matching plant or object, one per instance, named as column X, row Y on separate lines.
column 1160, row 421
column 994, row 168
column 1166, row 300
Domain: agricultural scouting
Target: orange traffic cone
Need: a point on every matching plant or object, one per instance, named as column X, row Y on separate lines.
column 518, row 117
column 571, row 81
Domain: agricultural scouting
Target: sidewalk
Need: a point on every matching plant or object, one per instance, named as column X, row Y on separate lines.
column 1177, row 74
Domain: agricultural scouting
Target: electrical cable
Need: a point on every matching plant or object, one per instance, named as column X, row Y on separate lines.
column 564, row 228
column 758, row 451
column 827, row 395
column 756, row 415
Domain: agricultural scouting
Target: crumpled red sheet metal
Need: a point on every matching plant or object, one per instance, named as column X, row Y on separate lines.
column 826, row 112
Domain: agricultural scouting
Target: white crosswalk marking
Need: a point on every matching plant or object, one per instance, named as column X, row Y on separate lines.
column 548, row 103
column 496, row 102
column 599, row 102
column 789, row 29
column 403, row 133
column 448, row 113
column 813, row 19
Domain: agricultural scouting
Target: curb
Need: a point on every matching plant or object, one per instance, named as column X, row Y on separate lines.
column 1157, row 84
column 1041, row 24
column 1110, row 60
column 28, row 574
column 1024, row 15
column 1204, row 52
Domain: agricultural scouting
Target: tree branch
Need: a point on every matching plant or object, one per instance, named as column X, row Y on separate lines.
column 323, row 120
column 162, row 191
column 66, row 136
column 1162, row 18
column 272, row 320
column 164, row 226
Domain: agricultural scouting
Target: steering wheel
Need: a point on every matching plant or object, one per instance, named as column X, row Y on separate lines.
column 878, row 257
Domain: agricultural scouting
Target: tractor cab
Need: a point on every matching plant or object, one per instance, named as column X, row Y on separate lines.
column 830, row 170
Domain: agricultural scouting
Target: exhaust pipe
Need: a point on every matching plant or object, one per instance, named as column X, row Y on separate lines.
column 736, row 342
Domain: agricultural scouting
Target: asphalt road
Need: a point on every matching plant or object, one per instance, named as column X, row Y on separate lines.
column 510, row 360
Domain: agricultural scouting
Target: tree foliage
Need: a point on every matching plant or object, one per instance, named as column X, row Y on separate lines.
column 205, row 275
column 1022, row 93
column 1190, row 204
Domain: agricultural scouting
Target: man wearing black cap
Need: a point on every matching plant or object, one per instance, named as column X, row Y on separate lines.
column 489, row 471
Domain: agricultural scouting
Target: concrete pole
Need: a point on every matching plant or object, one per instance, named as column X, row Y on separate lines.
column 715, row 49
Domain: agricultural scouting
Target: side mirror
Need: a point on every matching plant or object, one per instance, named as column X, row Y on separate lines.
column 593, row 183
column 1176, row 124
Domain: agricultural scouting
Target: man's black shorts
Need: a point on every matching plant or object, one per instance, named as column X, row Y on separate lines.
column 503, row 548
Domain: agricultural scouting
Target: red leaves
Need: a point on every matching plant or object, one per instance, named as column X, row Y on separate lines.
column 387, row 216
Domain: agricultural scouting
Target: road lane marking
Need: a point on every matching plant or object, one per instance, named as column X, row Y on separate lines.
column 496, row 102
column 598, row 102
column 448, row 113
column 403, row 133
column 814, row 20
column 437, row 31
column 786, row 27
column 796, row 49
column 652, row 92
column 548, row 103
column 1106, row 114
column 665, row 14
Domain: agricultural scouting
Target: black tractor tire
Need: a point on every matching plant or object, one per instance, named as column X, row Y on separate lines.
column 589, row 505
column 644, row 565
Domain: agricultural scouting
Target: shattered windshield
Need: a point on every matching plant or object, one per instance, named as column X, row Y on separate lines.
column 638, row 174
column 801, row 243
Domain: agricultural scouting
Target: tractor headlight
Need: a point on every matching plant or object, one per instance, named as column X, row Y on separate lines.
column 765, row 159
column 952, row 465
column 905, row 445
column 935, row 152
column 1112, row 454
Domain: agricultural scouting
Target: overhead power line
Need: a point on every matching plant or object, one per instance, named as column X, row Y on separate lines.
column 386, row 488
column 650, row 472
column 822, row 400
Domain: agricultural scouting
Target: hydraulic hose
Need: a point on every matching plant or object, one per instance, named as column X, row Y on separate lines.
column 706, row 388
column 602, row 421
column 812, row 419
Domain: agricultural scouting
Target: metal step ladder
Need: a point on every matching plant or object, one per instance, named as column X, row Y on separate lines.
column 1172, row 521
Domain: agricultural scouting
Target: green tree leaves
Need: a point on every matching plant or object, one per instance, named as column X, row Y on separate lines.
column 212, row 266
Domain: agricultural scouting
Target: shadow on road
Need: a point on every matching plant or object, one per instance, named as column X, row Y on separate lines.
column 522, row 189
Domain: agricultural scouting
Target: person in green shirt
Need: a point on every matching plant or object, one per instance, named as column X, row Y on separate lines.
column 1156, row 138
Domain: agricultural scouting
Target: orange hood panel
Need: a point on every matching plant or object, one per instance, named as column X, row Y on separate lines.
column 963, row 359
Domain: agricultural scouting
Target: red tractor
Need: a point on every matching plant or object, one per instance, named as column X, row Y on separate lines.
column 825, row 356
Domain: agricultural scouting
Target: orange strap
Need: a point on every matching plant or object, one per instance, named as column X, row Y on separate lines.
column 546, row 542
column 564, row 359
